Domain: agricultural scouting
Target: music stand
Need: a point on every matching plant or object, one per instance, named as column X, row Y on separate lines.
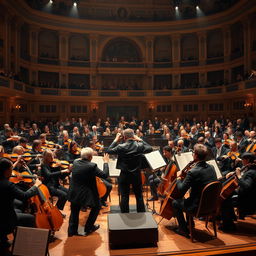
column 31, row 241
column 155, row 161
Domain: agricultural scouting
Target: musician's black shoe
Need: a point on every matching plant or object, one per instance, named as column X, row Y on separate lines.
column 182, row 232
column 73, row 234
column 153, row 198
column 93, row 229
column 227, row 227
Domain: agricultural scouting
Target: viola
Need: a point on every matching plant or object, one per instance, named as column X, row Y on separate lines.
column 251, row 147
column 17, row 177
column 25, row 156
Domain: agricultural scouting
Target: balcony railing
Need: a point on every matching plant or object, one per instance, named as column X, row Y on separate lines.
column 10, row 86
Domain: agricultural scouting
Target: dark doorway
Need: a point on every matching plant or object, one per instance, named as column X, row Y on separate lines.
column 115, row 112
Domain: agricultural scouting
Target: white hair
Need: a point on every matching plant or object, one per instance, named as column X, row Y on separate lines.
column 86, row 153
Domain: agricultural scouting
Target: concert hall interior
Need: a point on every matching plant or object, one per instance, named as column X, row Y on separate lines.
column 128, row 127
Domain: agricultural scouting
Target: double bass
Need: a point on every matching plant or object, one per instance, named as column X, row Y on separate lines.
column 166, row 210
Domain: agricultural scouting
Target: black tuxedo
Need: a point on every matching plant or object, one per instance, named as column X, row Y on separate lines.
column 130, row 157
column 83, row 192
column 196, row 179
column 224, row 164
column 8, row 217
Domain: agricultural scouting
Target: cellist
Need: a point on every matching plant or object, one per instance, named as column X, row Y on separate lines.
column 246, row 194
column 9, row 218
column 196, row 179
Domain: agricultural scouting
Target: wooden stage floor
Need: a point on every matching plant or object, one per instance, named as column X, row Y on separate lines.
column 243, row 240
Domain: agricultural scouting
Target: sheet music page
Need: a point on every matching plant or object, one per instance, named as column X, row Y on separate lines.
column 31, row 241
column 216, row 168
column 155, row 160
column 113, row 172
column 183, row 159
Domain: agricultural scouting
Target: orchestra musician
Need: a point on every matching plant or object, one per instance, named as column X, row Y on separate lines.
column 196, row 179
column 8, row 141
column 83, row 191
column 155, row 180
column 9, row 217
column 51, row 176
column 129, row 161
column 246, row 194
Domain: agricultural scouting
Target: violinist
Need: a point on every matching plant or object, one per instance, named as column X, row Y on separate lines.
column 73, row 152
column 35, row 163
column 8, row 140
column 196, row 179
column 23, row 142
column 245, row 200
column 51, row 176
column 180, row 147
column 9, row 217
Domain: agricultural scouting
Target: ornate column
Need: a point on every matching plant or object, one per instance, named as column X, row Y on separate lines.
column 176, row 50
column 176, row 81
column 63, row 47
column 17, row 27
column 149, row 57
column 227, row 42
column 247, row 44
column 7, row 42
column 33, row 42
column 94, row 58
column 202, row 41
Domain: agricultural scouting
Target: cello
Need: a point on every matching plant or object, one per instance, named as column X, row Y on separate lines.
column 47, row 215
column 171, row 171
column 166, row 210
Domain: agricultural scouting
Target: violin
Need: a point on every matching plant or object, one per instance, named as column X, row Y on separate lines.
column 99, row 146
column 60, row 163
column 251, row 147
column 233, row 155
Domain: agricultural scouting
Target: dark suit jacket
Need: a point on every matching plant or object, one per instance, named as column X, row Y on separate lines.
column 196, row 179
column 51, row 176
column 247, row 192
column 83, row 190
column 129, row 154
column 8, row 192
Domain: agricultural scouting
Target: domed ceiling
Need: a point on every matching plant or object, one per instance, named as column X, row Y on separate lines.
column 132, row 10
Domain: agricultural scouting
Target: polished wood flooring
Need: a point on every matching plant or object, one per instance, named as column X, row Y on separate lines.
column 242, row 241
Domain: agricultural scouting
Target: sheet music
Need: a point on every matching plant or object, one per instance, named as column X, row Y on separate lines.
column 113, row 172
column 155, row 160
column 31, row 241
column 183, row 159
column 216, row 168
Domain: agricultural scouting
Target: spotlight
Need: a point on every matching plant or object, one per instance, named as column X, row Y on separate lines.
column 75, row 4
column 50, row 1
column 176, row 8
column 197, row 7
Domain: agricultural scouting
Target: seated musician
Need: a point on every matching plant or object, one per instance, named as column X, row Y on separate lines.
column 1, row 151
column 83, row 191
column 155, row 179
column 246, row 194
column 36, row 151
column 218, row 151
column 196, row 179
column 23, row 142
column 8, row 141
column 73, row 152
column 180, row 147
column 242, row 142
column 9, row 218
column 51, row 176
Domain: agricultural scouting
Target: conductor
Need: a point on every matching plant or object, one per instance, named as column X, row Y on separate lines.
column 129, row 160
